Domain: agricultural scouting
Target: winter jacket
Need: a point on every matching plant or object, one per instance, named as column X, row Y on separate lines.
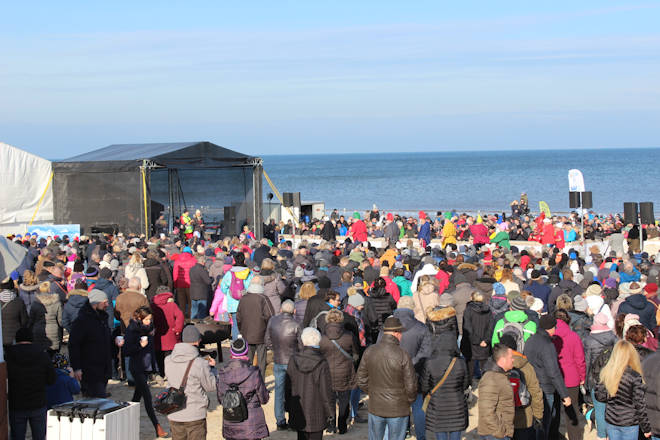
column 252, row 386
column 14, row 315
column 416, row 338
column 387, row 375
column 639, row 305
column 628, row 406
column 447, row 410
column 283, row 337
column 485, row 286
column 462, row 295
column 200, row 381
column 571, row 355
column 216, row 271
column 314, row 305
column 404, row 285
column 29, row 371
column 525, row 416
column 542, row 354
column 444, row 332
column 127, row 303
column 378, row 306
column 142, row 358
column 254, row 311
column 651, row 368
column 135, row 270
column 46, row 321
column 90, row 345
column 501, row 239
column 200, row 283
column 342, row 369
column 309, row 398
column 425, row 232
column 580, row 323
column 479, row 233
column 112, row 292
column 540, row 291
column 168, row 321
column 155, row 275
column 359, row 233
column 496, row 404
column 181, row 271
column 569, row 287
column 77, row 299
column 300, row 310
column 58, row 287
column 521, row 316
column 242, row 273
column 28, row 294
column 427, row 269
column 425, row 298
column 274, row 289
column 594, row 345
column 63, row 389
column 477, row 325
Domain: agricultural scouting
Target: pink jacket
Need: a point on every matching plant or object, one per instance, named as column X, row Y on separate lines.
column 181, row 271
column 218, row 307
column 571, row 355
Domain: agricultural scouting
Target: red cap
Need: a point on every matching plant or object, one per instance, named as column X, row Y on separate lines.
column 651, row 288
column 390, row 217
column 422, row 215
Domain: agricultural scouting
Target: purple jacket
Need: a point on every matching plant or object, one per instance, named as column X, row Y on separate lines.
column 254, row 390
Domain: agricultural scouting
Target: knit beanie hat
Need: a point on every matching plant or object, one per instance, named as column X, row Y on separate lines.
column 547, row 322
column 499, row 289
column 356, row 300
column 190, row 334
column 97, row 296
column 579, row 304
column 239, row 348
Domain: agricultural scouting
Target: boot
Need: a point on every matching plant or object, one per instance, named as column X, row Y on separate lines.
column 160, row 432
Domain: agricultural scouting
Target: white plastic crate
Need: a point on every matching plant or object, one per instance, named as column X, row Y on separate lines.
column 122, row 424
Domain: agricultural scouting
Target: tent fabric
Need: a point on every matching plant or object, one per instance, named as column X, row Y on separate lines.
column 12, row 257
column 23, row 179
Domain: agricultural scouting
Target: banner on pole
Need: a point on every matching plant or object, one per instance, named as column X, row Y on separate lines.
column 544, row 208
column 575, row 180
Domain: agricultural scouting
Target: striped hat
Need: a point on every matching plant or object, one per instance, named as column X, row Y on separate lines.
column 239, row 348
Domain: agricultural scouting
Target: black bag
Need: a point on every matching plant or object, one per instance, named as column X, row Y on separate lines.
column 173, row 399
column 234, row 405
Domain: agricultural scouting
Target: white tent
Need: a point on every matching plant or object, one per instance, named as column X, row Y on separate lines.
column 24, row 181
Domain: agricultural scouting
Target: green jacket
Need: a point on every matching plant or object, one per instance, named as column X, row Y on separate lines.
column 529, row 326
column 404, row 285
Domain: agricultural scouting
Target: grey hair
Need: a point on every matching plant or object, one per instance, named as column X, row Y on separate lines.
column 310, row 337
column 134, row 283
column 287, row 306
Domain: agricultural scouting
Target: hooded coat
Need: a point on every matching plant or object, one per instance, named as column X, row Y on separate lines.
column 29, row 372
column 156, row 276
column 112, row 292
column 378, row 306
column 477, row 326
column 181, row 272
column 77, row 299
column 253, row 388
column 14, row 315
column 424, row 298
column 571, row 355
column 28, row 294
column 342, row 370
column 496, row 405
column 309, row 398
column 462, row 296
column 46, row 321
column 135, row 270
column 168, row 321
column 241, row 272
column 274, row 289
column 639, row 305
column 90, row 345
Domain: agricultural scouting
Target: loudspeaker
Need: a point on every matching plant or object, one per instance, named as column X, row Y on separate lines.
column 574, row 199
column 646, row 213
column 296, row 199
column 229, row 228
column 287, row 199
column 586, row 200
column 630, row 212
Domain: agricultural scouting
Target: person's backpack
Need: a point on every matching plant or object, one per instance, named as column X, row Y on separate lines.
column 237, row 287
column 521, row 396
column 314, row 323
column 517, row 331
column 597, row 365
column 234, row 405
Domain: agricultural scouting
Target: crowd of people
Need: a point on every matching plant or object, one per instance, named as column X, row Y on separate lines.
column 415, row 329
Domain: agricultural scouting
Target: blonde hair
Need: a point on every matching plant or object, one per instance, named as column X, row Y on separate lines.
column 44, row 287
column 623, row 355
column 267, row 264
column 334, row 316
column 307, row 290
column 30, row 278
column 136, row 258
column 477, row 296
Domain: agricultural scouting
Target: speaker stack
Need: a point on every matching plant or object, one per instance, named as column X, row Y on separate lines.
column 646, row 213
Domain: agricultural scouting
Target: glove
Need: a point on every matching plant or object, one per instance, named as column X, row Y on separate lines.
column 14, row 275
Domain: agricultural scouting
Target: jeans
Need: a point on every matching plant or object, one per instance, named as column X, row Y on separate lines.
column 355, row 401
column 396, row 427
column 279, row 371
column 198, row 309
column 19, row 419
column 622, row 432
column 599, row 412
column 234, row 327
column 419, row 418
column 456, row 435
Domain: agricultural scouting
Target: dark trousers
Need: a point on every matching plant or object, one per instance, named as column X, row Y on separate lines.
column 143, row 392
column 19, row 419
column 93, row 389
column 302, row 435
column 188, row 430
column 574, row 425
column 343, row 400
column 160, row 361
column 524, row 433
column 260, row 350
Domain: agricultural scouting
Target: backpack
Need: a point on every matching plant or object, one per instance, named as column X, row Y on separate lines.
column 234, row 405
column 597, row 365
column 237, row 287
column 521, row 396
column 314, row 323
column 518, row 331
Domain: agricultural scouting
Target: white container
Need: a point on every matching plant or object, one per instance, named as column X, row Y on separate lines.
column 122, row 424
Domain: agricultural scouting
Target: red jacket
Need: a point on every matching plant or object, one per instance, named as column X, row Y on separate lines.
column 391, row 288
column 479, row 234
column 443, row 278
column 571, row 354
column 548, row 236
column 359, row 231
column 168, row 321
column 181, row 272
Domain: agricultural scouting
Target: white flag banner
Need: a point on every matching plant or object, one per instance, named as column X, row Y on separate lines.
column 575, row 181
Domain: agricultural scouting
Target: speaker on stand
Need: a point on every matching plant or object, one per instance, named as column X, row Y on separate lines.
column 646, row 213
column 574, row 199
column 586, row 200
column 630, row 213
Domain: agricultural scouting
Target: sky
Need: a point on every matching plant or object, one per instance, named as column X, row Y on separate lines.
column 330, row 77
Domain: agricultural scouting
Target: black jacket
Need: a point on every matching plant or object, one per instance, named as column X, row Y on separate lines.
column 477, row 326
column 283, row 337
column 29, row 371
column 254, row 311
column 570, row 287
column 342, row 368
column 142, row 358
column 639, row 305
column 541, row 353
column 651, row 368
column 200, row 283
column 14, row 316
column 378, row 306
column 328, row 232
column 156, row 276
column 447, row 410
column 90, row 345
column 315, row 305
column 416, row 338
column 628, row 406
column 594, row 345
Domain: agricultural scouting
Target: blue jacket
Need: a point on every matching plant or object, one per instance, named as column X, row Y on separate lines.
column 63, row 389
column 629, row 278
column 77, row 299
column 641, row 306
column 425, row 232
column 540, row 291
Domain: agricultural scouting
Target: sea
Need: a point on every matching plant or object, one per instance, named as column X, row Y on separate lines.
column 466, row 181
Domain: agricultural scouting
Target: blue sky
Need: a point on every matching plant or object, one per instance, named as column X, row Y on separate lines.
column 322, row 77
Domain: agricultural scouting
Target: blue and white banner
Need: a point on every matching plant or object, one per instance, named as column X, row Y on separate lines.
column 575, row 181
column 44, row 231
